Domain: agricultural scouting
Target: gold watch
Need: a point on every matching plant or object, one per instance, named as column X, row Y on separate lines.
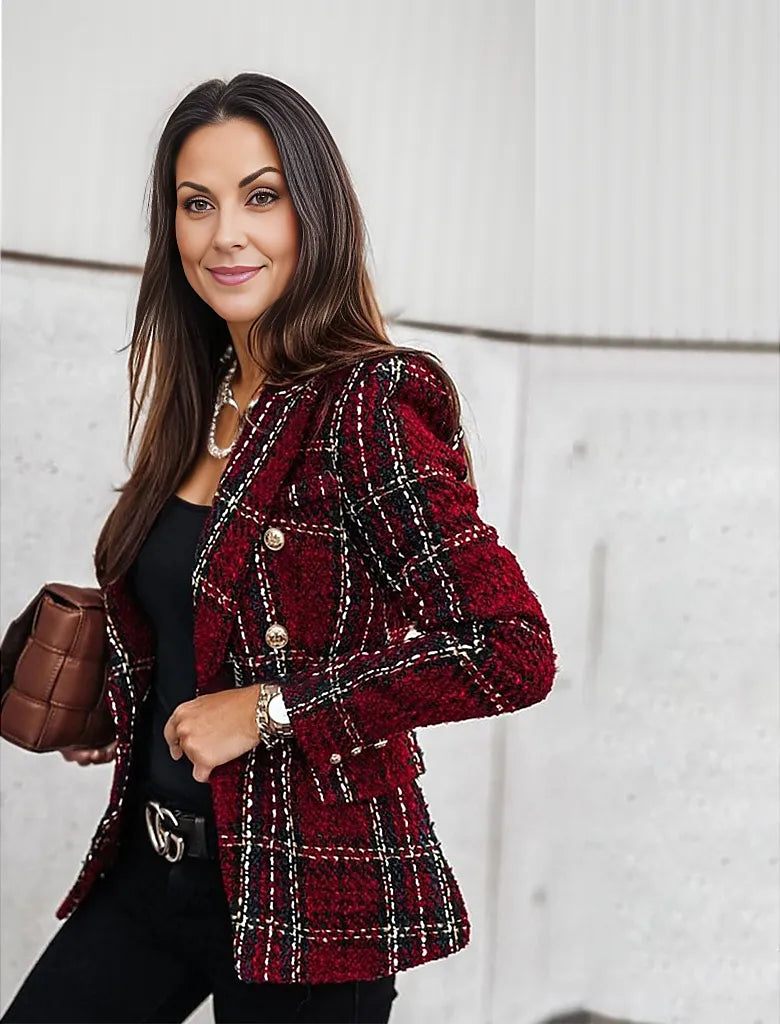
column 273, row 723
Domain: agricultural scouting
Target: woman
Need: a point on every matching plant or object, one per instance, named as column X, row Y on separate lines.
column 296, row 578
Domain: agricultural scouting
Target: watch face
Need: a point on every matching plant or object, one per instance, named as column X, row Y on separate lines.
column 276, row 711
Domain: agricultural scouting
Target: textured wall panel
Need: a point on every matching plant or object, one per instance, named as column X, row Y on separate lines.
column 657, row 210
column 640, row 862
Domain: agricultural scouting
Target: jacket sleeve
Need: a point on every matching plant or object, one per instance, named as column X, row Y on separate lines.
column 481, row 643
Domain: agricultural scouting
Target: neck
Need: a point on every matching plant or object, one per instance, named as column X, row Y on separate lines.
column 247, row 378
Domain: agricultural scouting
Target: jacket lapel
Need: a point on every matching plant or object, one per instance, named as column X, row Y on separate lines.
column 263, row 456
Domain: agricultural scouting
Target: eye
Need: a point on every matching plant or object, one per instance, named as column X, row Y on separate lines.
column 188, row 204
column 266, row 193
column 272, row 196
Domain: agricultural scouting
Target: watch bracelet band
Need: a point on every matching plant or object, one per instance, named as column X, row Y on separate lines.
column 268, row 731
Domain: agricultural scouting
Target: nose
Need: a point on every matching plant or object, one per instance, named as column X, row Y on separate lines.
column 228, row 231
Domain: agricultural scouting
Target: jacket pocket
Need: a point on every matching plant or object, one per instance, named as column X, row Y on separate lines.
column 370, row 771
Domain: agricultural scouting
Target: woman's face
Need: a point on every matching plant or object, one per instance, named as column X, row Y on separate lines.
column 223, row 219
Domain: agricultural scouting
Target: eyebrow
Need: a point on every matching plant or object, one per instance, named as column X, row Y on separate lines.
column 242, row 184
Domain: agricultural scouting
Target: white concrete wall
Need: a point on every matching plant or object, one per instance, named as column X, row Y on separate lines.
column 617, row 844
column 657, row 212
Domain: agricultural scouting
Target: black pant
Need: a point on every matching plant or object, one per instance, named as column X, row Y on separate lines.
column 152, row 940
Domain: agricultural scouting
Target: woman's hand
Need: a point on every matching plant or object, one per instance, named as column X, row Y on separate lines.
column 213, row 728
column 91, row 755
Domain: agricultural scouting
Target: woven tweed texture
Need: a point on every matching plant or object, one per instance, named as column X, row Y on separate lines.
column 402, row 610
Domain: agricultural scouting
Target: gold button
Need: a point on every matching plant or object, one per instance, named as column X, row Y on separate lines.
column 273, row 538
column 356, row 750
column 276, row 635
column 335, row 758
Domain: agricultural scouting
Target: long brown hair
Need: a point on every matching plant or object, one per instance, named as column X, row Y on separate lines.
column 327, row 317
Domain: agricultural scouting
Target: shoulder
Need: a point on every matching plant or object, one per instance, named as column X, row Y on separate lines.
column 395, row 419
column 402, row 367
column 404, row 382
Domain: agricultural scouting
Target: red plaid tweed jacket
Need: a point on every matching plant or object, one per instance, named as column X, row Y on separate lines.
column 401, row 610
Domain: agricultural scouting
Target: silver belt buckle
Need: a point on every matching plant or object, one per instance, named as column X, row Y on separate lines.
column 164, row 841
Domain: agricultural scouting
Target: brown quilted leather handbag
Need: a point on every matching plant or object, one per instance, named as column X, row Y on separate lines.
column 53, row 672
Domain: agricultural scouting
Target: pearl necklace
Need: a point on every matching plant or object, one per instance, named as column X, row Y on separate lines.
column 225, row 397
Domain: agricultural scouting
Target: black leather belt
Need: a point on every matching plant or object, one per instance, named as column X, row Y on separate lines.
column 176, row 834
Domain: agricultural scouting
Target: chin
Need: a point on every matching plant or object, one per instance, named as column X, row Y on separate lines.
column 245, row 306
column 240, row 317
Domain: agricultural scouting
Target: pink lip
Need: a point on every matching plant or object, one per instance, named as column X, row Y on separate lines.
column 236, row 275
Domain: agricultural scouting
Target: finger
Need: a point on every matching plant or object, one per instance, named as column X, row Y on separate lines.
column 175, row 749
column 170, row 730
column 201, row 772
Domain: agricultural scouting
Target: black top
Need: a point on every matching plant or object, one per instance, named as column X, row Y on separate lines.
column 161, row 577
